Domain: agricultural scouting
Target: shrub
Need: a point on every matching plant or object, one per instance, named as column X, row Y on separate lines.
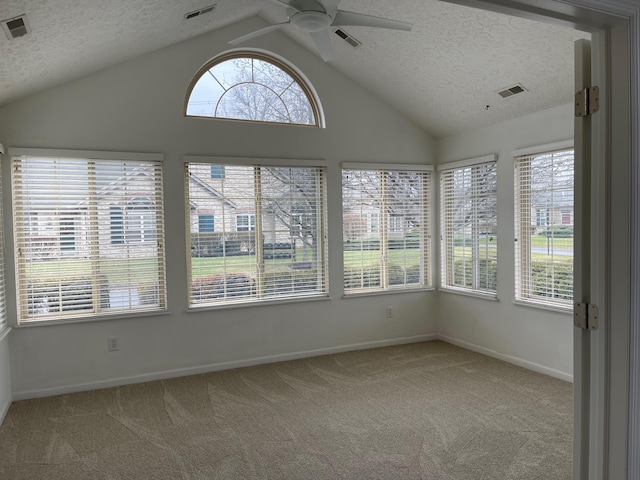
column 559, row 231
column 216, row 285
column 562, row 285
column 463, row 273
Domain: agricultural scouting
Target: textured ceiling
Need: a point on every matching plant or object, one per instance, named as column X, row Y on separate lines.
column 442, row 75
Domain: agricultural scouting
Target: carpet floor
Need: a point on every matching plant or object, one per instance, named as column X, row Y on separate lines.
column 419, row 411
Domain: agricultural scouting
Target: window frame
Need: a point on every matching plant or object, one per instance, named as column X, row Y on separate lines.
column 259, row 298
column 109, row 240
column 384, row 224
column 256, row 54
column 523, row 294
column 251, row 222
column 447, row 240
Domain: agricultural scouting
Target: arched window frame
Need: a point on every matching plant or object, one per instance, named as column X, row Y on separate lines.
column 298, row 77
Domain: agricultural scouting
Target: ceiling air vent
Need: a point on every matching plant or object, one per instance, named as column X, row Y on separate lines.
column 202, row 11
column 511, row 91
column 16, row 27
column 347, row 38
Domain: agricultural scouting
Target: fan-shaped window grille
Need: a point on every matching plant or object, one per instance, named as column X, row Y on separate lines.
column 251, row 87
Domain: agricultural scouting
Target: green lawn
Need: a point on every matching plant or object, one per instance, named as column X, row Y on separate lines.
column 77, row 268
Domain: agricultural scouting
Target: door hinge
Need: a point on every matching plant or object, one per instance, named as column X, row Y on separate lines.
column 585, row 316
column 587, row 101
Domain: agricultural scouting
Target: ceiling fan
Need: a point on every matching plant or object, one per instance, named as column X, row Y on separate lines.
column 315, row 17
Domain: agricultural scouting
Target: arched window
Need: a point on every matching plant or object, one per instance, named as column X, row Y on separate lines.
column 253, row 87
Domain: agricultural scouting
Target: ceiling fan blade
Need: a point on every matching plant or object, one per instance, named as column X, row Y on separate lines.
column 329, row 5
column 322, row 40
column 281, row 3
column 257, row 33
column 360, row 20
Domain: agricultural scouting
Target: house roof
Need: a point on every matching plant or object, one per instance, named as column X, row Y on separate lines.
column 210, row 190
column 443, row 75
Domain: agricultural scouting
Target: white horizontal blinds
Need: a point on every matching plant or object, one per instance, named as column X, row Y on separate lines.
column 544, row 227
column 89, row 237
column 266, row 235
column 386, row 224
column 3, row 301
column 469, row 227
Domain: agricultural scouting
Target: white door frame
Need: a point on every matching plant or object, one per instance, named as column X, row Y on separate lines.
column 615, row 429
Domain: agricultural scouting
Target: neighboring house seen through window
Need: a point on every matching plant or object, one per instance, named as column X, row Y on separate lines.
column 206, row 223
column 278, row 251
column 84, row 246
column 245, row 222
column 217, row 171
column 395, row 257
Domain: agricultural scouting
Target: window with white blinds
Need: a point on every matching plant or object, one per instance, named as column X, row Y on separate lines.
column 386, row 227
column 544, row 219
column 269, row 236
column 468, row 227
column 89, row 234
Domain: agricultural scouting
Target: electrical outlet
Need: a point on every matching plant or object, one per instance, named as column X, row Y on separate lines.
column 112, row 344
column 389, row 312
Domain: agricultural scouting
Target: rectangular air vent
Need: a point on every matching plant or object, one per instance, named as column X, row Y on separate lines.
column 202, row 11
column 347, row 38
column 16, row 27
column 511, row 91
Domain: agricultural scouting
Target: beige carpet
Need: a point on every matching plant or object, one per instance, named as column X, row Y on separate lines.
column 421, row 411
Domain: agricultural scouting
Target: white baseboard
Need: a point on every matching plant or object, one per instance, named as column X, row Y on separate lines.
column 4, row 409
column 213, row 367
column 536, row 367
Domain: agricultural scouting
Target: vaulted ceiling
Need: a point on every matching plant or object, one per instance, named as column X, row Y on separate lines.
column 444, row 74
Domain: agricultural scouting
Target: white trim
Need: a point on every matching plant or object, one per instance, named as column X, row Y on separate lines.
column 633, row 445
column 540, row 149
column 470, row 293
column 567, row 310
column 244, row 303
column 89, row 319
column 214, row 367
column 520, row 362
column 256, row 161
column 86, row 154
column 394, row 291
column 385, row 166
column 469, row 162
column 4, row 409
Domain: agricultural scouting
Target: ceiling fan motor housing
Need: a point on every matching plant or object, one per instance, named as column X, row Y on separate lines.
column 311, row 21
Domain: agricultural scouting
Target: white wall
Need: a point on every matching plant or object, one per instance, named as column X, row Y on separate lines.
column 533, row 337
column 137, row 106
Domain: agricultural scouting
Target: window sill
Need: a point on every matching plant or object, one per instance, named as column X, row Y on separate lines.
column 567, row 310
column 372, row 293
column 99, row 318
column 470, row 293
column 256, row 303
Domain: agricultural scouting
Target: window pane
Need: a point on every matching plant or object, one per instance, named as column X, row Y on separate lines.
column 395, row 256
column 544, row 228
column 252, row 88
column 468, row 215
column 84, row 245
column 269, row 238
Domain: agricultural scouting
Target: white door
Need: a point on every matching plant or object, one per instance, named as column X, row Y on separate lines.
column 589, row 270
